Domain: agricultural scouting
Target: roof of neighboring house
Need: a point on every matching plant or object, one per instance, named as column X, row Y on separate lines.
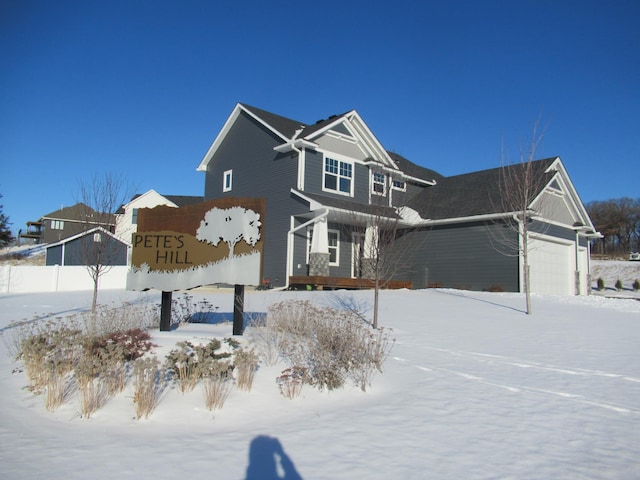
column 182, row 200
column 84, row 234
column 470, row 194
column 179, row 200
column 79, row 212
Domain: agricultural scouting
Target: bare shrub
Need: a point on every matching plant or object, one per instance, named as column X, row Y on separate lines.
column 217, row 383
column 128, row 316
column 190, row 362
column 93, row 392
column 331, row 345
column 246, row 364
column 291, row 381
column 267, row 342
column 148, row 385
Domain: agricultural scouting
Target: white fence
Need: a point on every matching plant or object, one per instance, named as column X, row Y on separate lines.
column 24, row 279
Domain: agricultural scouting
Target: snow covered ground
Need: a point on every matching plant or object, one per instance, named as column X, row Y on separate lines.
column 473, row 389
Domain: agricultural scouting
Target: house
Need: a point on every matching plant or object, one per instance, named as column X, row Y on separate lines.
column 66, row 222
column 127, row 215
column 93, row 247
column 332, row 190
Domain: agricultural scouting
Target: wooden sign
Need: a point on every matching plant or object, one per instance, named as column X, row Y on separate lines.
column 217, row 241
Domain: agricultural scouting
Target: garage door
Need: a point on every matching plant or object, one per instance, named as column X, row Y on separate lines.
column 551, row 267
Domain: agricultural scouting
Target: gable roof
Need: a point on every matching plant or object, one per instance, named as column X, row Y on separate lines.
column 413, row 170
column 183, row 200
column 84, row 234
column 286, row 126
column 78, row 213
column 471, row 194
column 176, row 200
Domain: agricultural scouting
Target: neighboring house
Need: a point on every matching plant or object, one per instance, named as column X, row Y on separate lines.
column 127, row 215
column 326, row 184
column 95, row 246
column 66, row 222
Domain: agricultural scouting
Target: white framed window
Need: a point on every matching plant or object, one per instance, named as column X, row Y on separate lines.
column 334, row 246
column 338, row 176
column 227, row 181
column 57, row 224
column 399, row 185
column 97, row 238
column 378, row 183
column 134, row 216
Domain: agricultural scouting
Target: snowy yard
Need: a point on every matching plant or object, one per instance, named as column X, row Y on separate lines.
column 473, row 389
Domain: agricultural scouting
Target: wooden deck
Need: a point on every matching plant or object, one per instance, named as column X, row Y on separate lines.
column 333, row 283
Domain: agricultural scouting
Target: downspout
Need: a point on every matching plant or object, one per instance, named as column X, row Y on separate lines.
column 290, row 233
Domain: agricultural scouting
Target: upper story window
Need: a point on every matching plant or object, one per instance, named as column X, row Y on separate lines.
column 134, row 216
column 399, row 185
column 338, row 176
column 227, row 181
column 379, row 183
column 57, row 224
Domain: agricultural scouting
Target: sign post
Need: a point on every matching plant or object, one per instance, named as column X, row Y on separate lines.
column 214, row 242
column 238, row 310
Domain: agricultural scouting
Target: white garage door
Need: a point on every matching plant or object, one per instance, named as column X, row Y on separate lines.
column 551, row 267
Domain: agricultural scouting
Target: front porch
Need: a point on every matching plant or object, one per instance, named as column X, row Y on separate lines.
column 333, row 283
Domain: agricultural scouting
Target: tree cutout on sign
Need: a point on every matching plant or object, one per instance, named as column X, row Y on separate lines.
column 230, row 225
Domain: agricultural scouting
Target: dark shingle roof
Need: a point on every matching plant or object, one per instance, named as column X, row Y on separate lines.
column 350, row 206
column 284, row 125
column 81, row 213
column 182, row 200
column 414, row 170
column 309, row 129
column 470, row 194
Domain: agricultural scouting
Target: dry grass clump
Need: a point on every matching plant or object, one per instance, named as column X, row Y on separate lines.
column 333, row 346
column 148, row 385
column 217, row 382
column 246, row 365
column 81, row 352
column 291, row 381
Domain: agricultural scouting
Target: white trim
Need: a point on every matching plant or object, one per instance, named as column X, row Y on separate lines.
column 337, row 247
column 227, row 186
column 237, row 110
column 338, row 191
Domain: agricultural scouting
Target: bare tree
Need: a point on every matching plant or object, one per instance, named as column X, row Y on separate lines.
column 100, row 197
column 519, row 186
column 377, row 235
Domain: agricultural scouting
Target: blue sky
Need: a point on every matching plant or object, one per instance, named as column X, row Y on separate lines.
column 143, row 87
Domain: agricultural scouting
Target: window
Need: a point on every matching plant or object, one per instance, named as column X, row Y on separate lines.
column 334, row 246
column 399, row 185
column 134, row 216
column 379, row 181
column 57, row 224
column 227, row 181
column 97, row 238
column 338, row 176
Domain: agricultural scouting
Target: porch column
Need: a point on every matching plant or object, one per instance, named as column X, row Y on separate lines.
column 319, row 254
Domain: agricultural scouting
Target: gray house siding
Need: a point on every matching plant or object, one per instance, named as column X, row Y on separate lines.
column 83, row 251
column 259, row 172
column 458, row 256
column 313, row 178
column 70, row 228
